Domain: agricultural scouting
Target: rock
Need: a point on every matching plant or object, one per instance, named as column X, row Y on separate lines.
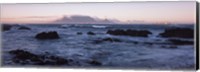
column 53, row 60
column 79, row 33
column 95, row 63
column 173, row 47
column 111, row 40
column 116, row 32
column 24, row 28
column 47, row 35
column 129, row 32
column 135, row 42
column 6, row 27
column 25, row 57
column 148, row 43
column 163, row 46
column 107, row 40
column 97, row 41
column 90, row 33
column 169, row 47
column 178, row 32
column 181, row 42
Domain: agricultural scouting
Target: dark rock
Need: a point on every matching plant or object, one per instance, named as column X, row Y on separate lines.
column 6, row 27
column 47, row 35
column 169, row 47
column 173, row 47
column 111, row 40
column 116, row 32
column 95, row 63
column 163, row 46
column 178, row 32
column 90, row 33
column 25, row 57
column 97, row 41
column 181, row 42
column 53, row 60
column 107, row 40
column 24, row 28
column 148, row 43
column 135, row 42
column 129, row 32
column 79, row 33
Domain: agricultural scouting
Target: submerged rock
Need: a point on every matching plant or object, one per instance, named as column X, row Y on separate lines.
column 169, row 47
column 79, row 33
column 111, row 40
column 129, row 32
column 25, row 57
column 178, row 32
column 24, row 28
column 90, row 33
column 107, row 40
column 47, row 35
column 95, row 63
column 6, row 27
column 134, row 42
column 181, row 42
column 172, row 46
column 148, row 43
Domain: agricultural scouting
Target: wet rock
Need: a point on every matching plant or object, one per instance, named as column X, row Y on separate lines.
column 148, row 43
column 97, row 41
column 178, row 32
column 79, row 33
column 24, row 28
column 95, row 63
column 129, row 32
column 116, row 32
column 25, row 57
column 111, row 40
column 53, row 60
column 90, row 33
column 169, row 47
column 135, row 42
column 47, row 35
column 173, row 46
column 107, row 40
column 6, row 27
column 181, row 42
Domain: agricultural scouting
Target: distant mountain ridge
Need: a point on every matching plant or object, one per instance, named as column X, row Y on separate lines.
column 80, row 19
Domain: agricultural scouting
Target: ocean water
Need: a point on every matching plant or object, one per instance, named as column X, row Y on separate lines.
column 81, row 48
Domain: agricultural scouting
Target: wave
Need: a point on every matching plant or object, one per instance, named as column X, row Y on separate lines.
column 99, row 26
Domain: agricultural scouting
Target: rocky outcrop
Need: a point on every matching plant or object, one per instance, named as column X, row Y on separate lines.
column 181, row 42
column 47, row 35
column 95, row 63
column 107, row 40
column 90, row 33
column 6, row 27
column 178, row 32
column 24, row 28
column 25, row 57
column 129, row 32
column 79, row 33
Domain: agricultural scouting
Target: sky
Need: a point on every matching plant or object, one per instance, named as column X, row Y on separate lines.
column 132, row 12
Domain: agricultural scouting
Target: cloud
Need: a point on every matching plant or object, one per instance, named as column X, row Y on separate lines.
column 137, row 22
column 80, row 19
column 31, row 17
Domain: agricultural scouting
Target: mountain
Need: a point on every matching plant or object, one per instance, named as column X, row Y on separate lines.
column 80, row 19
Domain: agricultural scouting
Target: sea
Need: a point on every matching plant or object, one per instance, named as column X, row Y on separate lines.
column 81, row 48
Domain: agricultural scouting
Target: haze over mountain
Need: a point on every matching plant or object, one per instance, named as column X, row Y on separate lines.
column 80, row 19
